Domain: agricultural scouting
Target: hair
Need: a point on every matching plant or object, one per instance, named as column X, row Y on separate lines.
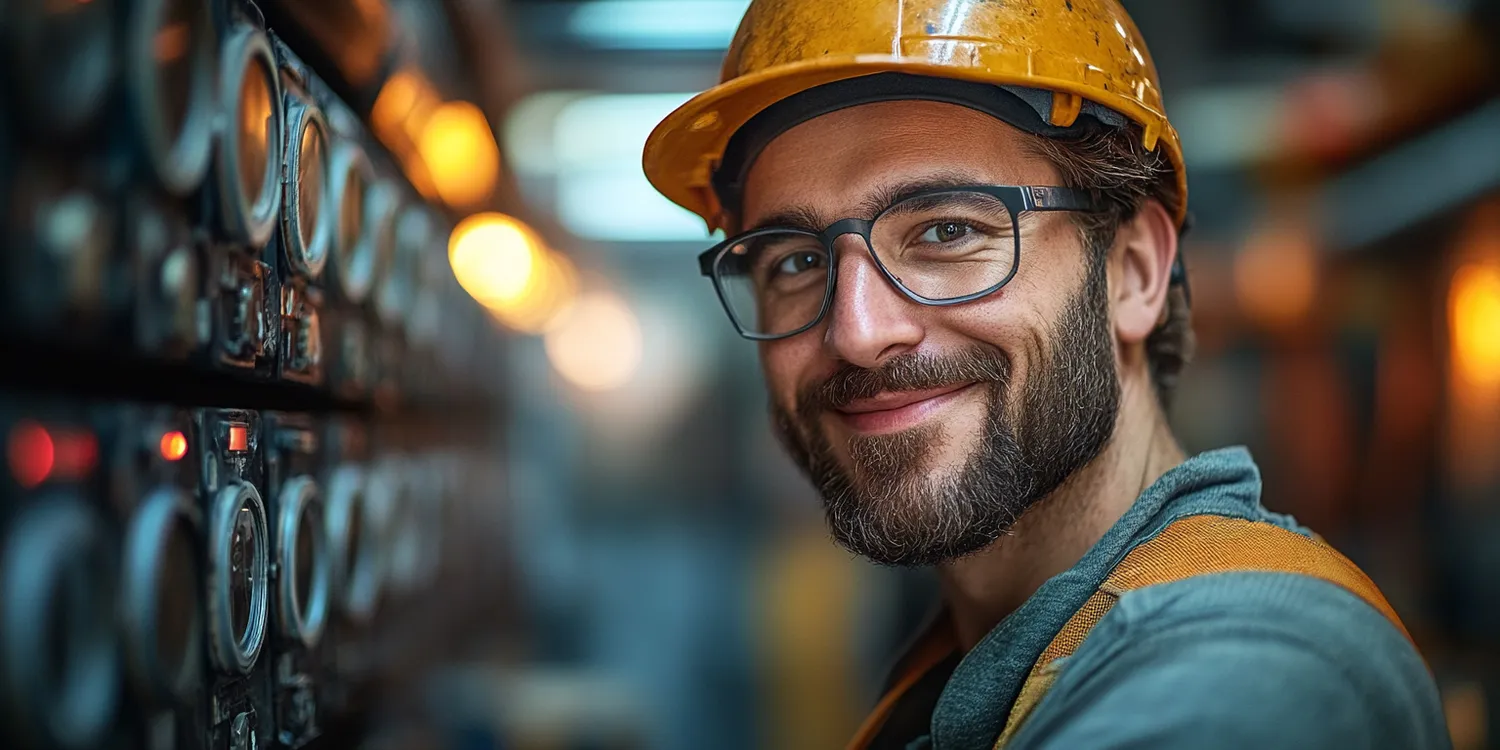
column 1116, row 166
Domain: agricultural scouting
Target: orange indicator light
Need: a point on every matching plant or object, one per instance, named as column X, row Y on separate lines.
column 239, row 437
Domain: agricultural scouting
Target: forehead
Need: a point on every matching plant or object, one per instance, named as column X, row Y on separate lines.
column 829, row 165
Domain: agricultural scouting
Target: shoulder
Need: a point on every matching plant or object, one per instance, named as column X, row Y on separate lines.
column 1269, row 659
column 1316, row 623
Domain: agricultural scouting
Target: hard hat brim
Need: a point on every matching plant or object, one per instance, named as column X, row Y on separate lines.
column 684, row 150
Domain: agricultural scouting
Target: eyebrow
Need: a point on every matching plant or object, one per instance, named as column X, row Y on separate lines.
column 809, row 219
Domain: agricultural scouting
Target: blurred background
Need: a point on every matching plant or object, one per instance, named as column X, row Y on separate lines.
column 359, row 390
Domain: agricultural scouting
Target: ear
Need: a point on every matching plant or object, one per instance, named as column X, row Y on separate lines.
column 1145, row 248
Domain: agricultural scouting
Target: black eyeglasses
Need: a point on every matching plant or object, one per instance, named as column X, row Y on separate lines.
column 942, row 247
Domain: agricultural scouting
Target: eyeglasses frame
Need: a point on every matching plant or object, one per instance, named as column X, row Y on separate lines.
column 1017, row 199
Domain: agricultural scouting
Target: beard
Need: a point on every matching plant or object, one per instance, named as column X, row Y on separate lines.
column 889, row 507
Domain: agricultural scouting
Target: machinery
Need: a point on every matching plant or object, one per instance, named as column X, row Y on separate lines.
column 154, row 471
column 301, row 583
column 237, row 571
column 226, row 314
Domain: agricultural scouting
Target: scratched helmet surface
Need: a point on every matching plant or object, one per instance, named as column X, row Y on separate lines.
column 1082, row 51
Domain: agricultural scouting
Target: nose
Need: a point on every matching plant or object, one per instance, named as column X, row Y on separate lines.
column 869, row 321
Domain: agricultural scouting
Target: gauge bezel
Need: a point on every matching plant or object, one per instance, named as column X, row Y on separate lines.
column 385, row 500
column 245, row 223
column 352, row 259
column 437, row 272
column 418, row 236
column 228, row 654
column 306, row 261
column 165, row 511
column 300, row 494
column 179, row 165
column 358, row 590
column 81, row 107
column 384, row 207
column 407, row 540
column 57, row 531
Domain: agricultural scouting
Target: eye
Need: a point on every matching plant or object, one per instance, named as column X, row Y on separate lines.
column 946, row 231
column 797, row 262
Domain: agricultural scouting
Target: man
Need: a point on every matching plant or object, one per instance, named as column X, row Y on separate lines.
column 954, row 231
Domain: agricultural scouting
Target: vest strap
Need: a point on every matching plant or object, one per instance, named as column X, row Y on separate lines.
column 1189, row 547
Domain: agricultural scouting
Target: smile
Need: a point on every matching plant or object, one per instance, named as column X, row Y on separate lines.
column 894, row 411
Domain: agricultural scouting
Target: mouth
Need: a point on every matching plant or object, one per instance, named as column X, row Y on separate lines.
column 894, row 411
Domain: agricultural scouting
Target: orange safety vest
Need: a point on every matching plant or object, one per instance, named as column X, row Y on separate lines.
column 1191, row 546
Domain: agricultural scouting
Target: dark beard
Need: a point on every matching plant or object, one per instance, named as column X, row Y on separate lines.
column 891, row 509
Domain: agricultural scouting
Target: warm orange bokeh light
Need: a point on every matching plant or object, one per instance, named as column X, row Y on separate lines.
column 493, row 257
column 1276, row 275
column 402, row 107
column 1474, row 323
column 174, row 445
column 551, row 290
column 446, row 148
column 460, row 153
column 504, row 265
column 1473, row 318
column 598, row 344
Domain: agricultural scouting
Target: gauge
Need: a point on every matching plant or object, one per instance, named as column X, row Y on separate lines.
column 161, row 598
column 58, row 650
column 171, row 70
column 64, row 61
column 238, row 562
column 406, row 544
column 303, row 561
column 65, row 229
column 382, row 207
column 355, row 560
column 249, row 153
column 307, row 230
column 387, row 522
column 419, row 239
column 353, row 259
column 167, row 277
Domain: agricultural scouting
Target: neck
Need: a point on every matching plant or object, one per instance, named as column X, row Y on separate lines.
column 983, row 588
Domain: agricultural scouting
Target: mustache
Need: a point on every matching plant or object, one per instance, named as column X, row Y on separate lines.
column 908, row 372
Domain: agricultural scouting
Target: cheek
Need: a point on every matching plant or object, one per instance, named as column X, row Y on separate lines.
column 1006, row 321
column 1013, row 321
column 788, row 364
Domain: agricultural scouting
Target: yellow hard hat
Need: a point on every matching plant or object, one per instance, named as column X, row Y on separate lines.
column 1087, row 54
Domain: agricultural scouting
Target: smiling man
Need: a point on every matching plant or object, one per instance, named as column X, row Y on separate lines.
column 954, row 232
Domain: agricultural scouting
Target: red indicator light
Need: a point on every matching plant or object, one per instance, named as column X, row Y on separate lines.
column 239, row 437
column 32, row 454
column 75, row 453
column 174, row 445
